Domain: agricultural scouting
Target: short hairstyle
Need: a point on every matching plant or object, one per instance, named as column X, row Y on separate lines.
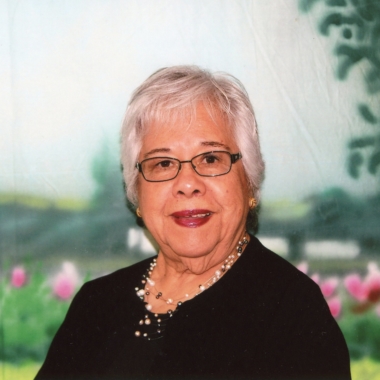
column 172, row 94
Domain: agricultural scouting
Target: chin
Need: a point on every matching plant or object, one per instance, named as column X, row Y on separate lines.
column 193, row 244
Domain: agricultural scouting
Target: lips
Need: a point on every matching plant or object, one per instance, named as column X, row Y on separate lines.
column 192, row 218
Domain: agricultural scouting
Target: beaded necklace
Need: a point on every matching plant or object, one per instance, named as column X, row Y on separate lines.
column 153, row 323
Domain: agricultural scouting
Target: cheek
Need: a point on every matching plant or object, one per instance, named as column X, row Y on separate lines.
column 153, row 196
column 143, row 191
column 236, row 193
column 229, row 195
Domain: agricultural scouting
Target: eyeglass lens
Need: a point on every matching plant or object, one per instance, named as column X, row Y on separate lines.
column 205, row 164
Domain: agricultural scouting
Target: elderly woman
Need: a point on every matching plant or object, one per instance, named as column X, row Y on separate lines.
column 214, row 303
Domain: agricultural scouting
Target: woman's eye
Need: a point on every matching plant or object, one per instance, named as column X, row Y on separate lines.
column 210, row 159
column 164, row 164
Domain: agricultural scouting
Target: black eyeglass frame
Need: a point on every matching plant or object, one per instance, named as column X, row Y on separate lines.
column 234, row 158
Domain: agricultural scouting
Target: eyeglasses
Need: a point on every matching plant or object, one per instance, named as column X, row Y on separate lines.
column 209, row 164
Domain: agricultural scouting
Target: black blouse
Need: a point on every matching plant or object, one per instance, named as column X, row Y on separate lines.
column 262, row 320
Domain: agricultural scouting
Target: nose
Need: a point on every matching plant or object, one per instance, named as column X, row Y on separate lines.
column 188, row 183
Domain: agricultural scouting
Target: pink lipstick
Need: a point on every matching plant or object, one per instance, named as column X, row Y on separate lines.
column 192, row 218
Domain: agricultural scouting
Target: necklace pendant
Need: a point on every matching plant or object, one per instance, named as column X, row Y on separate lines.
column 159, row 294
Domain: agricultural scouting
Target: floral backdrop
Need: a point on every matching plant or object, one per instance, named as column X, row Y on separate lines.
column 67, row 69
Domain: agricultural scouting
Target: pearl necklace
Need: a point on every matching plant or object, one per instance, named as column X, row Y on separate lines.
column 157, row 322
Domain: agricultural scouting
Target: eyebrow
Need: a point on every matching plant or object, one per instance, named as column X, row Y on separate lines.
column 213, row 144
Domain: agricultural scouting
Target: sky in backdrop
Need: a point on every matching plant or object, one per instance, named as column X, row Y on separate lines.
column 68, row 68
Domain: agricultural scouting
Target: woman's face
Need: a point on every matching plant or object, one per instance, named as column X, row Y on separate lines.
column 193, row 216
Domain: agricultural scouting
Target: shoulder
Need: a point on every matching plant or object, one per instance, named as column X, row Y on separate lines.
column 281, row 293
column 272, row 271
column 293, row 306
column 117, row 281
column 268, row 288
column 109, row 291
column 98, row 313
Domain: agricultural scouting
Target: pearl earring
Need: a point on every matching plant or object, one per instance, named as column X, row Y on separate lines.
column 138, row 213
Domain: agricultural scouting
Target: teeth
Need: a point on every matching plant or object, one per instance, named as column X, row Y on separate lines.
column 200, row 215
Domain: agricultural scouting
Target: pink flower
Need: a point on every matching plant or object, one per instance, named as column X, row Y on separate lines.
column 335, row 305
column 373, row 290
column 315, row 277
column 63, row 287
column 303, row 267
column 18, row 277
column 329, row 286
column 355, row 287
column 368, row 289
column 372, row 283
column 66, row 281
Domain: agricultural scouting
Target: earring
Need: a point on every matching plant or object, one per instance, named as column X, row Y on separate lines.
column 138, row 213
column 252, row 203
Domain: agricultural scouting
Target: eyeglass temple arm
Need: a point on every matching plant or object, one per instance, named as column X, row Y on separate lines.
column 235, row 157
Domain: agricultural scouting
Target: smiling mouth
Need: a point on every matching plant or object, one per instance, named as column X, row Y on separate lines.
column 198, row 215
column 192, row 218
column 188, row 214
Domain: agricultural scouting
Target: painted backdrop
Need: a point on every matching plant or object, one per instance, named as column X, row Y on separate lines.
column 67, row 70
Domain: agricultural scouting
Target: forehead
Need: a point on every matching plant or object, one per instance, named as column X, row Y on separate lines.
column 189, row 128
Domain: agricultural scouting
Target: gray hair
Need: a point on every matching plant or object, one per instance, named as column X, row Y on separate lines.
column 172, row 94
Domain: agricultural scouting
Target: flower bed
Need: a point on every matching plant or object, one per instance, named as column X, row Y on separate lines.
column 34, row 304
column 354, row 302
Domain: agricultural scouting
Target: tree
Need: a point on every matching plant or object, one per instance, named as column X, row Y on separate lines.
column 358, row 46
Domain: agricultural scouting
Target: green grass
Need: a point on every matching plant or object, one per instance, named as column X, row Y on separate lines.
column 26, row 371
column 365, row 369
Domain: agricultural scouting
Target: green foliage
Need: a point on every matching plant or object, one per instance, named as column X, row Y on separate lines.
column 367, row 114
column 337, row 19
column 349, row 57
column 307, row 5
column 332, row 214
column 355, row 161
column 337, row 3
column 30, row 317
column 362, row 334
column 374, row 162
column 43, row 226
column 359, row 42
column 108, row 178
column 362, row 142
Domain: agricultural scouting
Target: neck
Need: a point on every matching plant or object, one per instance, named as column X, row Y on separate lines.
column 172, row 281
